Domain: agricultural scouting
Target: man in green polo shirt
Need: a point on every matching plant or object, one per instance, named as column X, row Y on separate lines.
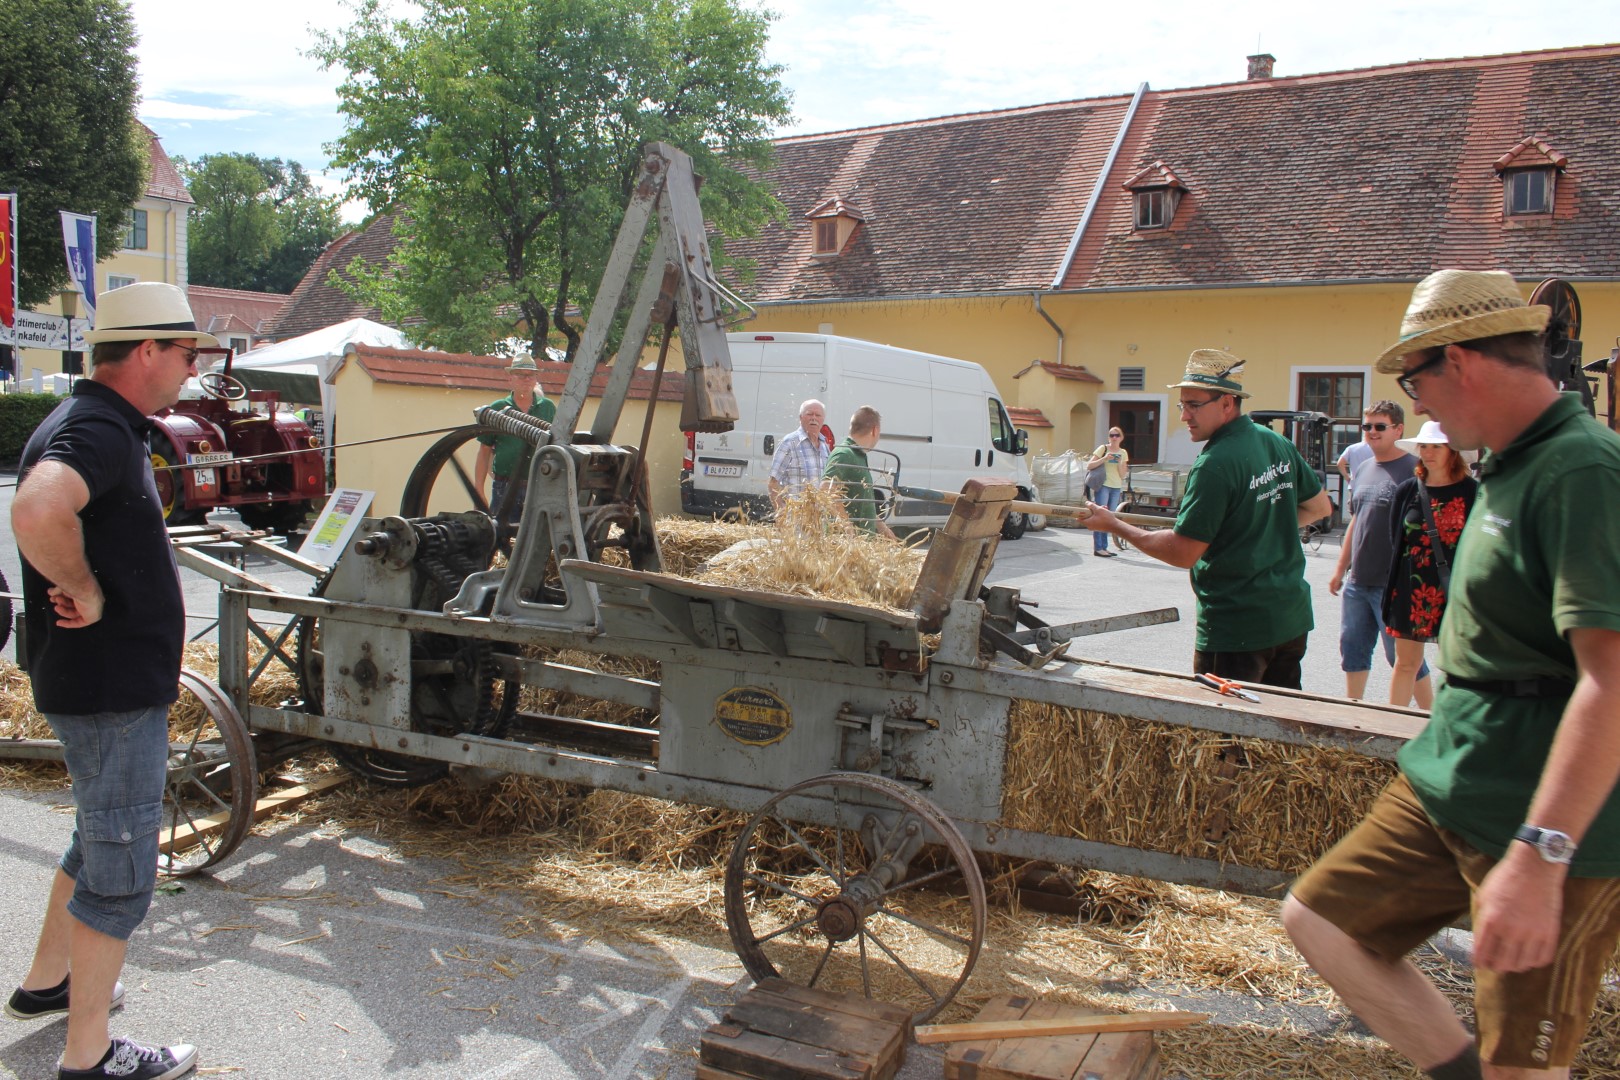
column 1247, row 496
column 848, row 469
column 506, row 456
column 1506, row 806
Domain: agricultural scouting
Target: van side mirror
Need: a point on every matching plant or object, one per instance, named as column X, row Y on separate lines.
column 770, row 444
column 1021, row 442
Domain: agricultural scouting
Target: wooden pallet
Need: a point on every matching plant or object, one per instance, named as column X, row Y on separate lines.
column 1120, row 1055
column 780, row 1031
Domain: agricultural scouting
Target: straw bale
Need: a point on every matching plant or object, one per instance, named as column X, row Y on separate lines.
column 812, row 550
column 1160, row 787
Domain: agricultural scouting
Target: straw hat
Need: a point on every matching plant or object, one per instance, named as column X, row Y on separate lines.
column 1212, row 369
column 1450, row 306
column 523, row 363
column 1432, row 435
column 146, row 311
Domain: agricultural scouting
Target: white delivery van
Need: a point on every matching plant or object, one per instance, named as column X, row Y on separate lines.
column 943, row 423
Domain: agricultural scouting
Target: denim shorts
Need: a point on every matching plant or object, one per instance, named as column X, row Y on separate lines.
column 1361, row 626
column 118, row 762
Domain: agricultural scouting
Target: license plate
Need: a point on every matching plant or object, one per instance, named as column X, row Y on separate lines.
column 208, row 459
column 722, row 470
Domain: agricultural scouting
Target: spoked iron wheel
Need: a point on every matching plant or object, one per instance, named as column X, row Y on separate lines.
column 442, row 480
column 212, row 785
column 871, row 904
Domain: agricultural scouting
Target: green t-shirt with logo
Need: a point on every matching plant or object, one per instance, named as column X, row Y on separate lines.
column 1537, row 558
column 509, row 448
column 1243, row 496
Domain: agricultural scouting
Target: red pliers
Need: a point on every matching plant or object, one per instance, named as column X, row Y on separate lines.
column 1226, row 687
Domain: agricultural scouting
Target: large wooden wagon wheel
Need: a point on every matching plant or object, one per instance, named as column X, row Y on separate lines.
column 870, row 904
column 212, row 784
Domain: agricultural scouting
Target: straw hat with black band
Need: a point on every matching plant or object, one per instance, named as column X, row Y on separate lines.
column 146, row 311
column 1213, row 369
column 1453, row 306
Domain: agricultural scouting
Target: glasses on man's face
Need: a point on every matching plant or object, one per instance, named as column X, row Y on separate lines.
column 1408, row 380
column 189, row 354
column 1375, row 427
column 1194, row 406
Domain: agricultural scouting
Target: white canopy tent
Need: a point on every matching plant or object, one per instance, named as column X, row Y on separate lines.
column 298, row 367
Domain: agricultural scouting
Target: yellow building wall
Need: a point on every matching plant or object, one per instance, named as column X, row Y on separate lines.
column 163, row 259
column 368, row 410
column 1282, row 333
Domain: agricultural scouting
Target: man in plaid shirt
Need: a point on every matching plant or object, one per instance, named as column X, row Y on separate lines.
column 800, row 457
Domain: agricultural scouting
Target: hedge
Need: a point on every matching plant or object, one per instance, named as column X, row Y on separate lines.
column 20, row 414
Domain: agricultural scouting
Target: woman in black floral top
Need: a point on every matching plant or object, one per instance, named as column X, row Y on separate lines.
column 1415, row 598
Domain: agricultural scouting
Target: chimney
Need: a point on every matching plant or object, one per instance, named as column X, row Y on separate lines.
column 1260, row 65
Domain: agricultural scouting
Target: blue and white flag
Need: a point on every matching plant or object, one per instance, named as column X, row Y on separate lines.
column 79, row 236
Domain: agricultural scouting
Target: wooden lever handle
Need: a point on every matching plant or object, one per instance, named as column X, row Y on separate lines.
column 1080, row 1025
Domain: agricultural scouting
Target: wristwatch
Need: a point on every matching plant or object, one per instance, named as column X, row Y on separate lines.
column 1554, row 846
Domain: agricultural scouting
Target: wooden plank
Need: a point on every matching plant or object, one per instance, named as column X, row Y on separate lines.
column 765, row 1057
column 891, row 1023
column 171, row 840
column 1122, row 1056
column 1053, row 1058
column 859, row 1037
column 963, row 1059
column 1010, row 1029
column 850, row 1003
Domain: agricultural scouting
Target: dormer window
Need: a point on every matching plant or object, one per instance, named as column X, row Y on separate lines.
column 833, row 224
column 1528, row 191
column 1529, row 173
column 1157, row 191
column 1154, row 208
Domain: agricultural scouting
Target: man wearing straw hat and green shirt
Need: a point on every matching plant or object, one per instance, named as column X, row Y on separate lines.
column 1506, row 807
column 504, row 455
column 1247, row 496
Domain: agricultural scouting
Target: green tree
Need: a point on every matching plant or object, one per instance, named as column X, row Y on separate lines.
column 68, row 135
column 508, row 134
column 259, row 222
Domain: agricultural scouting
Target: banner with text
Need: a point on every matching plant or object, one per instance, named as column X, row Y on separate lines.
column 79, row 238
column 36, row 331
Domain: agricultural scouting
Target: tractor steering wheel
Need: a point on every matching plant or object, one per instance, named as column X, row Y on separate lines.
column 224, row 387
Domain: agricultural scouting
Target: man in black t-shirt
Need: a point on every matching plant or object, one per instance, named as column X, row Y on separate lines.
column 105, row 624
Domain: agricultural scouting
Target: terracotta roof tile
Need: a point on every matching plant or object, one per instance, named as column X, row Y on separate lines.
column 224, row 310
column 464, row 371
column 1061, row 371
column 1027, row 418
column 165, row 182
column 1530, row 153
column 316, row 303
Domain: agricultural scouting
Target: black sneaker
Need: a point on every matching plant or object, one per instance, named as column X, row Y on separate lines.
column 129, row 1060
column 33, row 1004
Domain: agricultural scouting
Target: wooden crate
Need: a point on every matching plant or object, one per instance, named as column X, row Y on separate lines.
column 1117, row 1055
column 780, row 1031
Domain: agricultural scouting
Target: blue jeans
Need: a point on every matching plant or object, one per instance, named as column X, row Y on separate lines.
column 1106, row 497
column 1361, row 626
column 118, row 762
column 497, row 488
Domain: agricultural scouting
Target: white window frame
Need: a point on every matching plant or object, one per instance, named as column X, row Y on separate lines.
column 1511, row 190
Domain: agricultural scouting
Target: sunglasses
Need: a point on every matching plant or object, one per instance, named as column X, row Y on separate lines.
column 1115, row 435
column 1375, row 427
column 1407, row 381
column 190, row 354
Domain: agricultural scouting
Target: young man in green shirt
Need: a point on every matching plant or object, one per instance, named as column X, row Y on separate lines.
column 1247, row 496
column 504, row 455
column 847, row 467
column 1506, row 806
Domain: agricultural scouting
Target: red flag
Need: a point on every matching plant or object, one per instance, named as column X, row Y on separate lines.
column 8, row 260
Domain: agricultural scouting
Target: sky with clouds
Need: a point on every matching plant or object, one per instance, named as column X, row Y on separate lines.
column 220, row 77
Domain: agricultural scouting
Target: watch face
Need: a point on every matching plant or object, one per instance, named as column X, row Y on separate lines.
column 1555, row 844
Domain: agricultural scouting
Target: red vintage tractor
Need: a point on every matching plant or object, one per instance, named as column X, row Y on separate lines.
column 235, row 448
